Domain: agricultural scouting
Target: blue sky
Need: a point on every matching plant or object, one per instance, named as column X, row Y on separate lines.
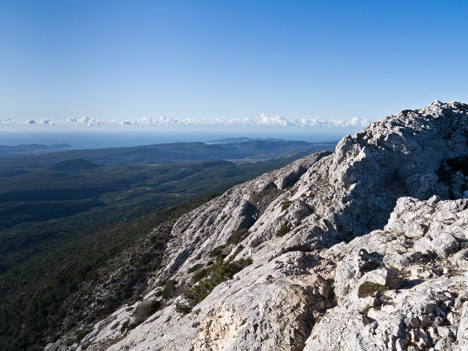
column 229, row 59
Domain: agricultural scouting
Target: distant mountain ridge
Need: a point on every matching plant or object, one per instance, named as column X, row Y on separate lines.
column 31, row 148
column 255, row 150
column 242, row 140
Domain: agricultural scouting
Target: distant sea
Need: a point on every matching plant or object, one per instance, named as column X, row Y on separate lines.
column 100, row 139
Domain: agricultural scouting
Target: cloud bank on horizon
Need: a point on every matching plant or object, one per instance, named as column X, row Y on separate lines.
column 264, row 120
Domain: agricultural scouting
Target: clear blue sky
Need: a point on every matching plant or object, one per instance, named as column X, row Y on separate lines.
column 229, row 59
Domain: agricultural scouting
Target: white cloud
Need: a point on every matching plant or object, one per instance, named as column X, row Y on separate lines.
column 165, row 121
column 273, row 121
column 47, row 122
column 146, row 120
column 364, row 122
column 263, row 121
column 354, row 121
column 6, row 121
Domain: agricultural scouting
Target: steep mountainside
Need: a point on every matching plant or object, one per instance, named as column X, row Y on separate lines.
column 361, row 249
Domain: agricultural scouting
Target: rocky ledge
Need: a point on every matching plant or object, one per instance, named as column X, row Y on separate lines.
column 361, row 249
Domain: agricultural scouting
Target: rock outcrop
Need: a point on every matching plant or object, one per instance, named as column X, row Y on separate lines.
column 399, row 288
column 361, row 249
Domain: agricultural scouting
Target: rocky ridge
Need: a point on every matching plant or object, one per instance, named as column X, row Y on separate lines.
column 361, row 249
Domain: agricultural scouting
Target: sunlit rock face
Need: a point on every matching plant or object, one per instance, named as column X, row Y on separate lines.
column 361, row 249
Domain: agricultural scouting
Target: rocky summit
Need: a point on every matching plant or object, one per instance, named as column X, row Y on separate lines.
column 364, row 248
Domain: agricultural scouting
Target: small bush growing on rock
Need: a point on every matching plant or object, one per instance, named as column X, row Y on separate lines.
column 199, row 275
column 124, row 326
column 368, row 289
column 239, row 249
column 136, row 298
column 285, row 204
column 140, row 314
column 238, row 236
column 217, row 273
column 283, row 231
column 195, row 268
column 134, row 324
column 184, row 309
column 151, row 308
column 217, row 251
column 80, row 335
column 169, row 288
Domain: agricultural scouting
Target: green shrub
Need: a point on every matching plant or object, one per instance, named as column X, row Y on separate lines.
column 320, row 179
column 195, row 268
column 239, row 249
column 283, row 231
column 80, row 335
column 136, row 298
column 199, row 275
column 169, row 288
column 217, row 273
column 285, row 204
column 184, row 309
column 217, row 251
column 369, row 289
column 135, row 324
column 151, row 308
column 238, row 236
column 124, row 326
